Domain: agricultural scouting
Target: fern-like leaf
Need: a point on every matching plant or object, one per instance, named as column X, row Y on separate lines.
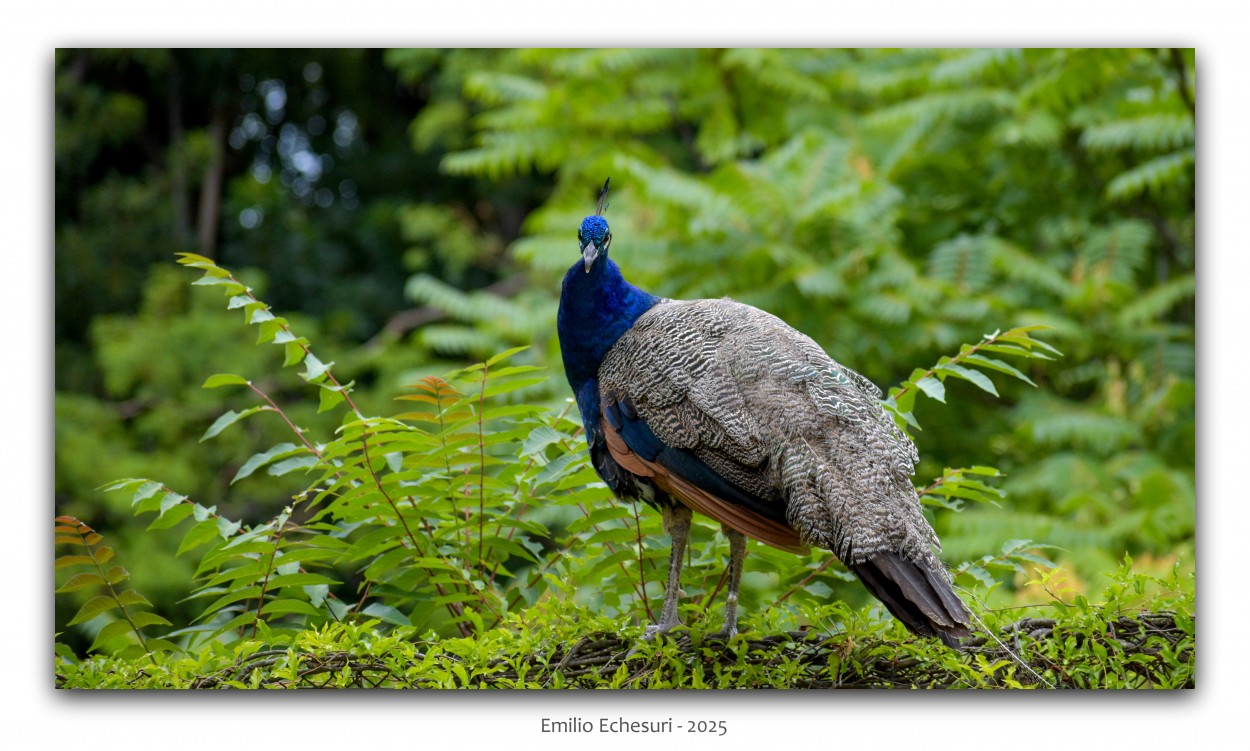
column 1157, row 176
column 132, row 615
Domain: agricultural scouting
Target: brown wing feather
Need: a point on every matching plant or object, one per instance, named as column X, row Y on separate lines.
column 735, row 517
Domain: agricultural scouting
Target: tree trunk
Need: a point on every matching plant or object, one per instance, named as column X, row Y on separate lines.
column 210, row 187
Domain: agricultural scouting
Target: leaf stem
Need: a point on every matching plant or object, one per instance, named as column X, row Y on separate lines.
column 273, row 555
column 481, row 477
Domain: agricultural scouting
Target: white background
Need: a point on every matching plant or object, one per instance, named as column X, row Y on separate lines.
column 37, row 716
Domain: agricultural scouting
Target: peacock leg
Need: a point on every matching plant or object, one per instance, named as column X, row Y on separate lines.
column 677, row 524
column 737, row 555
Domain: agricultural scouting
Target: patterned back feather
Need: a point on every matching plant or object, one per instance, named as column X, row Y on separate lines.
column 764, row 404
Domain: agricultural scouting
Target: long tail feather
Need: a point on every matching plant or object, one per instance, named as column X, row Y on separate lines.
column 919, row 597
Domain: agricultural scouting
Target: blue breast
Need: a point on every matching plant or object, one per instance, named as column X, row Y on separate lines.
column 596, row 308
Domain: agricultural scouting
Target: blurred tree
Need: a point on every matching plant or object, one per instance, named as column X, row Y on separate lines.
column 891, row 204
column 294, row 162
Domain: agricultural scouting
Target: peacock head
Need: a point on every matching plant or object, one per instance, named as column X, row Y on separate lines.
column 593, row 236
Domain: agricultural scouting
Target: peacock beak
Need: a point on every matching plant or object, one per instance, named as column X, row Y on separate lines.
column 590, row 252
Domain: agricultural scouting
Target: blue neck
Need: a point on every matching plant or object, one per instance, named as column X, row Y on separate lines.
column 596, row 308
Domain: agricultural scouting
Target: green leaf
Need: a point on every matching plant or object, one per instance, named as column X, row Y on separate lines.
column 314, row 368
column 92, row 608
column 933, row 387
column 246, row 618
column 246, row 593
column 295, row 462
column 226, row 527
column 330, row 398
column 1170, row 172
column 982, row 470
column 224, row 379
column 171, row 517
column 259, row 460
column 269, row 329
column 127, row 484
column 514, row 370
column 294, row 352
column 110, row 632
column 287, row 605
column 145, row 491
column 170, row 500
column 982, row 576
column 1034, row 558
column 540, row 438
column 131, row 597
column 298, row 580
column 974, row 377
column 613, row 535
column 394, row 461
column 228, row 419
column 81, row 581
column 258, row 312
column 505, row 355
column 495, row 388
column 998, row 365
column 231, row 287
column 387, row 613
column 317, row 593
column 195, row 261
column 906, row 402
column 144, row 619
column 1020, row 336
column 201, row 533
column 251, row 572
column 557, row 468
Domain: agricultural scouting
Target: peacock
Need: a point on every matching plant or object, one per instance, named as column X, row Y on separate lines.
column 721, row 408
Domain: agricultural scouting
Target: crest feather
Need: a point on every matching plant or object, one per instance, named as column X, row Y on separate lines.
column 603, row 198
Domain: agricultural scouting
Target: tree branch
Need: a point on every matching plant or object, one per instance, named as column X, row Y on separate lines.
column 1182, row 79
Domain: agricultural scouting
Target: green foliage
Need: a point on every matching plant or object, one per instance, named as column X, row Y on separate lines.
column 1109, row 644
column 424, row 508
column 967, row 366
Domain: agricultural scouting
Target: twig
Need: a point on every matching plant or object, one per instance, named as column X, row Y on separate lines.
column 1010, row 652
column 642, row 571
column 481, row 476
column 264, row 585
column 1182, row 79
column 819, row 569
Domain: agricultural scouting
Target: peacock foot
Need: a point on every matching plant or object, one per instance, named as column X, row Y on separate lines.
column 656, row 629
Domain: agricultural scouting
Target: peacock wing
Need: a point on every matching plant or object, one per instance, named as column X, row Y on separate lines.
column 766, row 410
